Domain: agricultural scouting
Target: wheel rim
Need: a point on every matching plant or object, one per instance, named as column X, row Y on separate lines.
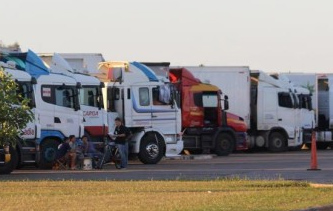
column 152, row 150
column 277, row 142
column 49, row 154
column 224, row 144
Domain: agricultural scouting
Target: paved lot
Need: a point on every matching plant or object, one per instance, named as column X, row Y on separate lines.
column 288, row 165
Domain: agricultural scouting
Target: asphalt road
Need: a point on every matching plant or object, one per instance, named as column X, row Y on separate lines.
column 287, row 165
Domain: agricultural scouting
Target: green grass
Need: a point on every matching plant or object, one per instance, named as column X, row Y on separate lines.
column 162, row 195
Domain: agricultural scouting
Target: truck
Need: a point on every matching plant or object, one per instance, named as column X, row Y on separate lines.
column 26, row 145
column 131, row 92
column 206, row 125
column 90, row 97
column 268, row 105
column 55, row 104
column 318, row 86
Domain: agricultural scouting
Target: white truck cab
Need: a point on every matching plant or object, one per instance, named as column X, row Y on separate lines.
column 56, row 106
column 134, row 93
column 90, row 98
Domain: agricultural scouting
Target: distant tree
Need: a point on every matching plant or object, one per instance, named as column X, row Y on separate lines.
column 310, row 87
column 15, row 112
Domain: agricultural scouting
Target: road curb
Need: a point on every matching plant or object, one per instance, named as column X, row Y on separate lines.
column 191, row 157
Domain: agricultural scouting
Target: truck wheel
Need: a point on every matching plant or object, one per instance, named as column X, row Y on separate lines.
column 224, row 144
column 152, row 149
column 277, row 142
column 322, row 145
column 7, row 168
column 48, row 153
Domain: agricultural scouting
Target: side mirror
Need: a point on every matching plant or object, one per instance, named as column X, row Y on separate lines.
column 101, row 85
column 78, row 85
column 226, row 105
column 226, row 102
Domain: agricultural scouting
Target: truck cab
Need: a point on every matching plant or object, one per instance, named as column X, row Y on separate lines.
column 25, row 149
column 57, row 109
column 145, row 103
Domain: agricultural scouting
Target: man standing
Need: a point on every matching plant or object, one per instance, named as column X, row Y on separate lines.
column 121, row 134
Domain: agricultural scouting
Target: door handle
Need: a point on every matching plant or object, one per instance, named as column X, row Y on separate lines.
column 153, row 116
column 279, row 119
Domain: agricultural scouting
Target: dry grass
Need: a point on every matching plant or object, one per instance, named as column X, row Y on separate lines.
column 162, row 195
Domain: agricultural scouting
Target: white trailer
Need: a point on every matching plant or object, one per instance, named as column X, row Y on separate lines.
column 131, row 89
column 319, row 88
column 265, row 103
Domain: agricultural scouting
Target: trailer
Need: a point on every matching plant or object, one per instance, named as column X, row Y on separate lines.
column 318, row 85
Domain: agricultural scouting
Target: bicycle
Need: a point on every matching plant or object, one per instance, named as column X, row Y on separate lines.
column 111, row 154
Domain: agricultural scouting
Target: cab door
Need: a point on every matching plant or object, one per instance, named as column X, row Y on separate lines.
column 138, row 106
column 163, row 111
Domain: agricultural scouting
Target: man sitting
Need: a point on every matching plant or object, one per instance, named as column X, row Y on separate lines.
column 89, row 150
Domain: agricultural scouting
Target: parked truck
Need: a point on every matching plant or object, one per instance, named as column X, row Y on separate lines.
column 266, row 104
column 55, row 104
column 319, row 99
column 206, row 125
column 27, row 148
column 90, row 97
column 131, row 92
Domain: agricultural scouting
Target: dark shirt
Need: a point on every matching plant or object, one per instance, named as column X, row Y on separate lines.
column 121, row 130
column 64, row 148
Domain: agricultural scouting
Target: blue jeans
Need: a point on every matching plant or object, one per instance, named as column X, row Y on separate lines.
column 123, row 150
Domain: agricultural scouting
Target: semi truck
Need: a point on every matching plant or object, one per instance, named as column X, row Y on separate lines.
column 55, row 104
column 27, row 148
column 206, row 125
column 130, row 92
column 90, row 97
column 319, row 98
column 266, row 104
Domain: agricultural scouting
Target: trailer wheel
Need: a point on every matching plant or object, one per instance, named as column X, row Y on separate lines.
column 224, row 144
column 152, row 149
column 48, row 153
column 7, row 168
column 320, row 145
column 277, row 142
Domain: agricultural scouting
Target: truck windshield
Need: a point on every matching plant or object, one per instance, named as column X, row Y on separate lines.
column 207, row 100
column 91, row 96
column 24, row 89
column 305, row 101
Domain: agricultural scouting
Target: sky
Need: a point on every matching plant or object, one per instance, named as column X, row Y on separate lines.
column 269, row 35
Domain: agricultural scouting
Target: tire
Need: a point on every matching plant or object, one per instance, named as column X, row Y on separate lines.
column 224, row 144
column 322, row 145
column 152, row 149
column 15, row 159
column 48, row 149
column 7, row 168
column 277, row 142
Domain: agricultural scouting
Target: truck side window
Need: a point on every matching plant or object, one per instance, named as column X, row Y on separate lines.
column 63, row 96
column 156, row 97
column 89, row 96
column 48, row 94
column 144, row 96
column 285, row 100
